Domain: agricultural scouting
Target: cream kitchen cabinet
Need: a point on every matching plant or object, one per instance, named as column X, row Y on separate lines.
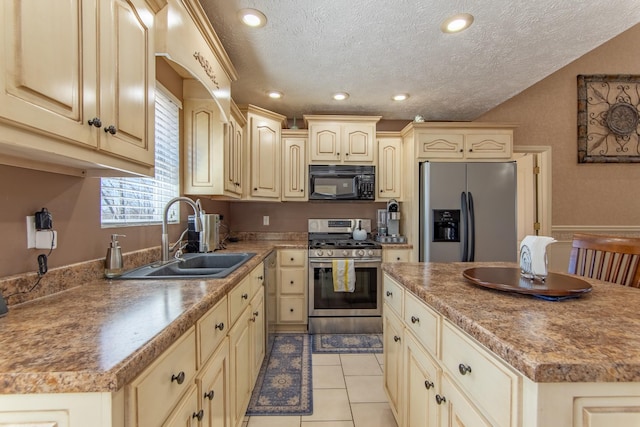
column 389, row 176
column 422, row 383
column 213, row 149
column 263, row 142
column 213, row 389
column 396, row 255
column 294, row 168
column 464, row 144
column 393, row 342
column 186, row 413
column 342, row 139
column 292, row 290
column 79, row 94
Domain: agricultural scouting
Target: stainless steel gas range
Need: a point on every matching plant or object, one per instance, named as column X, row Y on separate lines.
column 333, row 309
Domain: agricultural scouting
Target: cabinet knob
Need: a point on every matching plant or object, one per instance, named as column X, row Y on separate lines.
column 255, row 189
column 461, row 150
column 220, row 326
column 255, row 313
column 470, row 149
column 428, row 384
column 292, row 282
column 292, row 259
column 110, row 129
column 440, row 399
column 199, row 415
column 389, row 293
column 397, row 258
column 209, row 395
column 245, row 296
column 415, row 319
column 464, row 369
column 260, row 278
column 347, row 154
column 95, row 122
column 291, row 310
column 302, row 190
column 396, row 338
column 178, row 378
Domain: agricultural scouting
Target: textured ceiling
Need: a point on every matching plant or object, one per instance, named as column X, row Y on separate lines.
column 373, row 49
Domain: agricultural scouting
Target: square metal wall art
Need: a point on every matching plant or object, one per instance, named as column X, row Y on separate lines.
column 608, row 118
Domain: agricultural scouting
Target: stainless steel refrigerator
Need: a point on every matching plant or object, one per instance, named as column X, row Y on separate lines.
column 468, row 211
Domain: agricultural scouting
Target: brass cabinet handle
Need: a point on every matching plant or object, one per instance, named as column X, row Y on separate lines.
column 464, row 369
column 415, row 319
column 389, row 293
column 209, row 395
column 396, row 338
column 440, row 399
column 220, row 326
column 178, row 378
column 245, row 296
column 428, row 384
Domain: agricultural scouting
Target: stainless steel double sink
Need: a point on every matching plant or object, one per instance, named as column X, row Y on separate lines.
column 191, row 266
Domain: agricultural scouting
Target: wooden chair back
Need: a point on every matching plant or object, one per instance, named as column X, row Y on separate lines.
column 608, row 258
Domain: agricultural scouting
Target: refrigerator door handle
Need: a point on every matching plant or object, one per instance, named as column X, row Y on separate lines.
column 465, row 224
column 472, row 230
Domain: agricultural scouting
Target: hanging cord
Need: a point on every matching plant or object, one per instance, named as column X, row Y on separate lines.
column 42, row 268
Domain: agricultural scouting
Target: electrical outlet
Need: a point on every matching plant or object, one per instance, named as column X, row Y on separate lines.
column 265, row 220
column 47, row 239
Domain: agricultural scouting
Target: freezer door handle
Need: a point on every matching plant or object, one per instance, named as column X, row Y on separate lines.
column 465, row 225
column 472, row 230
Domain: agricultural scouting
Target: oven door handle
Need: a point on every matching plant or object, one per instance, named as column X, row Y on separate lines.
column 360, row 262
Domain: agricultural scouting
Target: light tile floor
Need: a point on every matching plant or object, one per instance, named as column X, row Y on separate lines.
column 347, row 392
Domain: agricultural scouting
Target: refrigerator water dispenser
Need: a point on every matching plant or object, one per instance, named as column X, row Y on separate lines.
column 446, row 225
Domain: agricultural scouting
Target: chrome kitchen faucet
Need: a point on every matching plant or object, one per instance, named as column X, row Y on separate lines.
column 165, row 234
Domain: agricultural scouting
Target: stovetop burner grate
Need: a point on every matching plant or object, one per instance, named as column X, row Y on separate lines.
column 343, row 244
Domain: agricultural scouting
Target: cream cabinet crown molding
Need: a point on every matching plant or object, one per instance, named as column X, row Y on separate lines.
column 340, row 118
column 254, row 109
column 156, row 5
column 456, row 125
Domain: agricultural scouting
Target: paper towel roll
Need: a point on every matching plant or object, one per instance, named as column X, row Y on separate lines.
column 533, row 255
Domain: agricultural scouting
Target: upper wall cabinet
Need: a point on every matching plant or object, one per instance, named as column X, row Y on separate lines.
column 213, row 149
column 262, row 136
column 294, row 168
column 463, row 141
column 342, row 139
column 77, row 86
column 388, row 176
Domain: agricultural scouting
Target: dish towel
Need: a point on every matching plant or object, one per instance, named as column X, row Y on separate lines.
column 533, row 255
column 344, row 275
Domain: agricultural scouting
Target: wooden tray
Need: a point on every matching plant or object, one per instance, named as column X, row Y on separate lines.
column 509, row 279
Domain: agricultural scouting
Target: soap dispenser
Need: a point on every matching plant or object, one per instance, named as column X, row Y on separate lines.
column 113, row 261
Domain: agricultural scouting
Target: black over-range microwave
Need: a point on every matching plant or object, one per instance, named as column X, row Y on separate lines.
column 342, row 182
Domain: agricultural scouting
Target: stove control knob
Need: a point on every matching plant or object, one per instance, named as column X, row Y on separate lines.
column 360, row 252
column 329, row 252
column 370, row 253
column 345, row 253
column 319, row 252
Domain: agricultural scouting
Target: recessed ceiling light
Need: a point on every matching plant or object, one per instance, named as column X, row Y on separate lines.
column 275, row 94
column 400, row 97
column 252, row 17
column 340, row 96
column 457, row 23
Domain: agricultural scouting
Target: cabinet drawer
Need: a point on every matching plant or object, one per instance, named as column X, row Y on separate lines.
column 492, row 385
column 422, row 321
column 159, row 388
column 292, row 309
column 211, row 330
column 239, row 299
column 186, row 411
column 257, row 278
column 392, row 294
column 396, row 255
column 292, row 258
column 292, row 281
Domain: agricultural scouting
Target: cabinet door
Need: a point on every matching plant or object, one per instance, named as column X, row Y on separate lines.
column 421, row 383
column 392, row 348
column 293, row 280
column 258, row 334
column 440, row 145
column 265, row 158
column 214, row 389
column 456, row 409
column 324, row 143
column 186, row 413
column 241, row 380
column 292, row 310
column 127, row 79
column 48, row 79
column 357, row 143
column 294, row 172
column 388, row 177
column 233, row 140
column 488, row 145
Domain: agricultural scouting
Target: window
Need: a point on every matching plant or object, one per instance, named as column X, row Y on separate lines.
column 140, row 201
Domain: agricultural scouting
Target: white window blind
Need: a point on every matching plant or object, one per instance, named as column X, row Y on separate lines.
column 139, row 201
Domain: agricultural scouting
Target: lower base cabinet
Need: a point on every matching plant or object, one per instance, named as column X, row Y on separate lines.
column 186, row 414
column 392, row 344
column 214, row 387
column 422, row 385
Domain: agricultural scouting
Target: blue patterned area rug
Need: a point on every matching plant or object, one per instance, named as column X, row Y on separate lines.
column 347, row 343
column 284, row 384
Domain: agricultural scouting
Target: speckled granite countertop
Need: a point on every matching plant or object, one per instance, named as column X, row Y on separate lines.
column 594, row 338
column 100, row 335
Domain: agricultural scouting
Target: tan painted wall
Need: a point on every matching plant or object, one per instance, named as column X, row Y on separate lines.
column 583, row 194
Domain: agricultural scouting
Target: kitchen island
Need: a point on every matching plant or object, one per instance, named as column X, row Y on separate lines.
column 508, row 359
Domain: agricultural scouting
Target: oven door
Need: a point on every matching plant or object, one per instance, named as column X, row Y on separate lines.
column 366, row 300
